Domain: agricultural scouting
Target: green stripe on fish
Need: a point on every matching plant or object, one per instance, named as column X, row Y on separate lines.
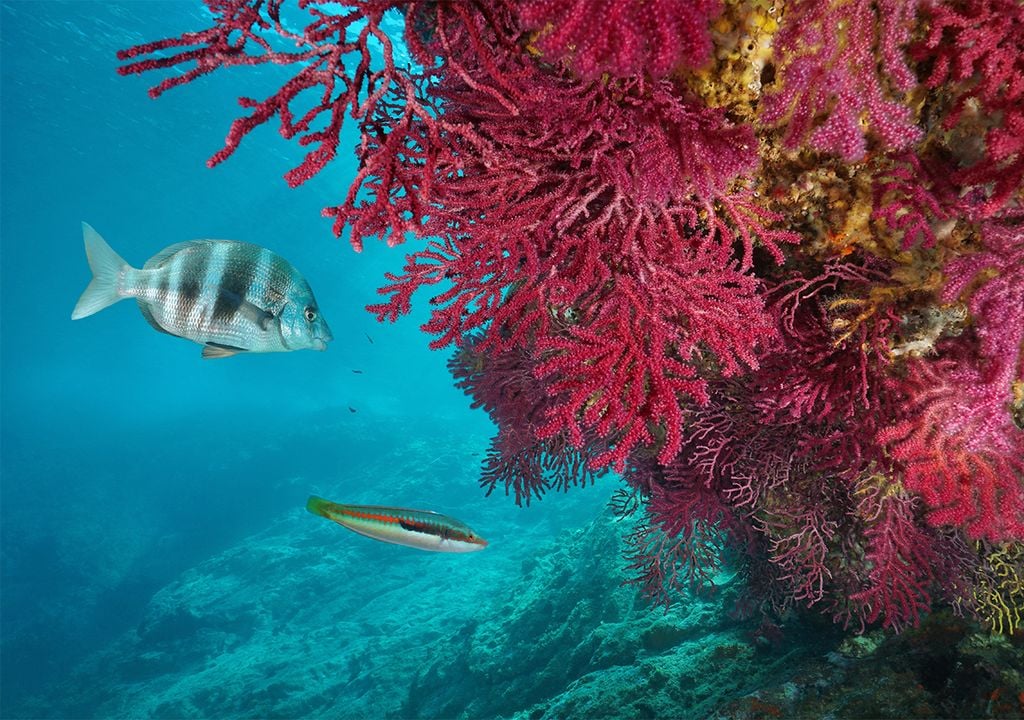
column 227, row 295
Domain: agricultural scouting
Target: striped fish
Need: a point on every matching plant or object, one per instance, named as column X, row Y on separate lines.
column 416, row 528
column 229, row 296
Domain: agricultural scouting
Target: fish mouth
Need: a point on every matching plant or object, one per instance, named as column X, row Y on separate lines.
column 319, row 344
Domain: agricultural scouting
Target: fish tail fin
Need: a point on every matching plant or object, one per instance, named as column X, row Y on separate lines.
column 107, row 267
column 319, row 506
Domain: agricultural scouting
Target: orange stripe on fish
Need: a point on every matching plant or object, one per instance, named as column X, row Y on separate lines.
column 380, row 517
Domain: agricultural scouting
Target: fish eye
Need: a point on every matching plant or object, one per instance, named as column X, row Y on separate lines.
column 310, row 314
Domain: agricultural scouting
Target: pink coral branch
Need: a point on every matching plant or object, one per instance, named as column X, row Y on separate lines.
column 622, row 37
column 905, row 202
column 974, row 49
column 335, row 63
column 959, row 448
column 827, row 81
column 900, row 557
column 504, row 386
column 957, row 441
column 799, row 545
column 630, row 366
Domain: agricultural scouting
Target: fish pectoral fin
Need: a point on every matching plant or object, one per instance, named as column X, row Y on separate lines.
column 256, row 314
column 213, row 351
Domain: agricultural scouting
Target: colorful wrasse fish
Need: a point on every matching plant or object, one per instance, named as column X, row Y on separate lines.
column 229, row 296
column 416, row 528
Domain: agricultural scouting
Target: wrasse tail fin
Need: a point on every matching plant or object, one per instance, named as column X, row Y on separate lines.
column 319, row 506
column 107, row 267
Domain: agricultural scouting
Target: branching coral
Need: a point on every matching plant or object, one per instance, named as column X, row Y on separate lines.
column 504, row 386
column 333, row 57
column 900, row 556
column 997, row 594
column 973, row 50
column 765, row 258
column 958, row 446
column 956, row 437
column 622, row 37
column 828, row 86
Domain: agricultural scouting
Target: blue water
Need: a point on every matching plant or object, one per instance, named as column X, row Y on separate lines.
column 126, row 459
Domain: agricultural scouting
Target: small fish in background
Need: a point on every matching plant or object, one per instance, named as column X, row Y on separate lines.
column 358, row 372
column 227, row 295
column 351, row 409
column 415, row 528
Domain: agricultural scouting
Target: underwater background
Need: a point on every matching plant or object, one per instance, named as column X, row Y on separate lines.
column 157, row 559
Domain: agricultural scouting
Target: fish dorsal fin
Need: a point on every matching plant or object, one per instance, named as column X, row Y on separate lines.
column 213, row 351
column 161, row 257
column 148, row 314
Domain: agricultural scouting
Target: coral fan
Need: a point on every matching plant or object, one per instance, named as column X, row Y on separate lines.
column 974, row 50
column 622, row 37
column 956, row 438
column 764, row 259
column 826, row 50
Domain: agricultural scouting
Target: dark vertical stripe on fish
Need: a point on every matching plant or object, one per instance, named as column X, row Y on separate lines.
column 163, row 291
column 163, row 287
column 193, row 270
column 239, row 274
column 279, row 281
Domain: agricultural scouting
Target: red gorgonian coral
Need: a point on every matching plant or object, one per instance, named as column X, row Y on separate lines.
column 973, row 50
column 503, row 384
column 622, row 37
column 958, row 447
column 618, row 281
column 827, row 81
column 333, row 57
column 900, row 557
column 957, row 440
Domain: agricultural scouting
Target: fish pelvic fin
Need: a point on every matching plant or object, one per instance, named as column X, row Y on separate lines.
column 214, row 351
column 107, row 270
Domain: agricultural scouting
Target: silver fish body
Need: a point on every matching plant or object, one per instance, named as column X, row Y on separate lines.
column 227, row 295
